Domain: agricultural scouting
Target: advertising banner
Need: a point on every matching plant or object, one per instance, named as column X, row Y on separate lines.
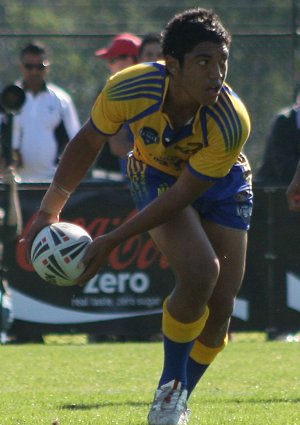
column 127, row 295
column 125, row 298
column 272, row 279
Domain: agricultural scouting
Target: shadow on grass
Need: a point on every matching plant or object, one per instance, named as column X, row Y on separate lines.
column 254, row 401
column 102, row 405
column 142, row 403
column 269, row 400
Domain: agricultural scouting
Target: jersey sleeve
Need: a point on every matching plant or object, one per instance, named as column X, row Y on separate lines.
column 127, row 96
column 108, row 113
column 104, row 118
column 225, row 128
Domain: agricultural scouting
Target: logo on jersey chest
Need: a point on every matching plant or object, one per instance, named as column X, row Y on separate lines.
column 149, row 135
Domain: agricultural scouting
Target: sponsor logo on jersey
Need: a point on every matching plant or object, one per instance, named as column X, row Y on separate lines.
column 149, row 135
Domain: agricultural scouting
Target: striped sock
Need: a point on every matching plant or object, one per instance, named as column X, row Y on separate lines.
column 199, row 360
column 178, row 342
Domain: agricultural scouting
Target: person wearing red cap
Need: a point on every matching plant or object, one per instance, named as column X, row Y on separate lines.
column 118, row 57
column 123, row 51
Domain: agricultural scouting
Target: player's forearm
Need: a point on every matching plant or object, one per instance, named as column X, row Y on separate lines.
column 120, row 143
column 152, row 216
column 77, row 158
column 161, row 210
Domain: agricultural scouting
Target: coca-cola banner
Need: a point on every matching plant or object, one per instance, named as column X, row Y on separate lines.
column 130, row 289
column 125, row 299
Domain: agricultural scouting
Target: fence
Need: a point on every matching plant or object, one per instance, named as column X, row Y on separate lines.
column 263, row 70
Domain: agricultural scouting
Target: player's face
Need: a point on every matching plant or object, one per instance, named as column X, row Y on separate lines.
column 203, row 73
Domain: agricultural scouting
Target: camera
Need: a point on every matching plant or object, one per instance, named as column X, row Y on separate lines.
column 12, row 99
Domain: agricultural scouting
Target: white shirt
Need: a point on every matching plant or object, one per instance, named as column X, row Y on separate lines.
column 34, row 131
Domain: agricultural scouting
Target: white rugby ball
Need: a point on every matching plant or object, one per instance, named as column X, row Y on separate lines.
column 56, row 251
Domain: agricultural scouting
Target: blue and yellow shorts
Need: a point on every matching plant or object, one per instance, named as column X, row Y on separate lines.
column 228, row 203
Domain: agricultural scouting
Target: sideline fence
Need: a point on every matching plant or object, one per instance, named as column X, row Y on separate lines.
column 264, row 69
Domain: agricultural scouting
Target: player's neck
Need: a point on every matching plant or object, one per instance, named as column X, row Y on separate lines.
column 179, row 109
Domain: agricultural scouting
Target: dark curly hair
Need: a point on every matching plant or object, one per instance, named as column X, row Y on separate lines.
column 190, row 28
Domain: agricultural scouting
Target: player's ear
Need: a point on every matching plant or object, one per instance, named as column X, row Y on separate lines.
column 172, row 65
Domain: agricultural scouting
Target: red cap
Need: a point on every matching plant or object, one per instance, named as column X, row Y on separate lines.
column 126, row 44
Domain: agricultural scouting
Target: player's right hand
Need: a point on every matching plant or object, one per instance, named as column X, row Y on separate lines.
column 96, row 257
column 41, row 220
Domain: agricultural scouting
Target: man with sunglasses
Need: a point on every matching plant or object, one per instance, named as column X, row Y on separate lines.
column 46, row 122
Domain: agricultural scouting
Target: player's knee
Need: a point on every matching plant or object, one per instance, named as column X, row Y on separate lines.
column 202, row 280
column 211, row 275
column 212, row 270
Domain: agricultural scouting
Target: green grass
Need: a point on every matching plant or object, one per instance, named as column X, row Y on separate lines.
column 253, row 382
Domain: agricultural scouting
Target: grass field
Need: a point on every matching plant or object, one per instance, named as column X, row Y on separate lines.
column 253, row 382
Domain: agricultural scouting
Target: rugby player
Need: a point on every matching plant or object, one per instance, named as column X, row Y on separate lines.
column 191, row 183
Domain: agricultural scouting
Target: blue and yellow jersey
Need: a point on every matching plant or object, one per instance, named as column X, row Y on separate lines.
column 209, row 144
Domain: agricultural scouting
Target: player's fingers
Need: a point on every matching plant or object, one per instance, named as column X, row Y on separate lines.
column 27, row 241
column 87, row 274
column 88, row 257
column 91, row 266
column 25, row 250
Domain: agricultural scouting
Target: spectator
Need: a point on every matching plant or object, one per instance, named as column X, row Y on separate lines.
column 147, row 49
column 282, row 154
column 121, row 53
column 282, row 149
column 45, row 123
column 150, row 49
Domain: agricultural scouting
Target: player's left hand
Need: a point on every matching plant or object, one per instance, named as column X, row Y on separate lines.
column 95, row 258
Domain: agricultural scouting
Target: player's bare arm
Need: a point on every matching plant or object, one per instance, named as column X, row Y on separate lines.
column 187, row 188
column 120, row 144
column 77, row 158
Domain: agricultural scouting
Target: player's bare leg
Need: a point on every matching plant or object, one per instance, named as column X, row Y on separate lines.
column 185, row 312
column 230, row 246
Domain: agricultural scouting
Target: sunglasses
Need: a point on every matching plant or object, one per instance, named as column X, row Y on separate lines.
column 30, row 66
